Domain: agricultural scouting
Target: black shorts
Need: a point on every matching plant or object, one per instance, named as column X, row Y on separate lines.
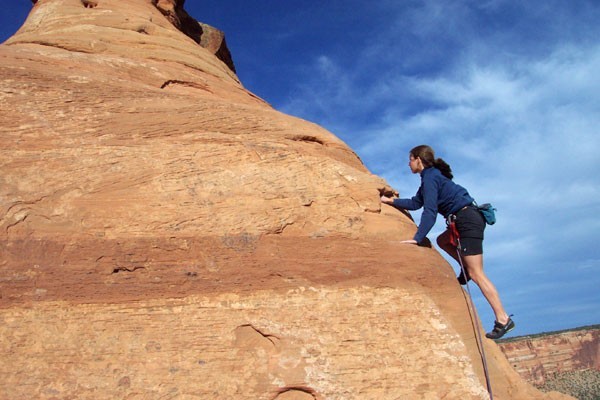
column 470, row 225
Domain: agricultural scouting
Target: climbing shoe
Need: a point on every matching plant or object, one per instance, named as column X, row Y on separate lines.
column 461, row 278
column 500, row 329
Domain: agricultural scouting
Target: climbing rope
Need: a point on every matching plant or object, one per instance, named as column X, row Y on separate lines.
column 455, row 240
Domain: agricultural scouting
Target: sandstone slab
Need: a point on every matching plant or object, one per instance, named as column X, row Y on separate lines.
column 167, row 234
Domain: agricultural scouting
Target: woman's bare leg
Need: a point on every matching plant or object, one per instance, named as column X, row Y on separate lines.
column 474, row 267
column 444, row 242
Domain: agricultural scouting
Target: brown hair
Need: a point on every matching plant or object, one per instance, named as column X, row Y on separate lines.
column 427, row 156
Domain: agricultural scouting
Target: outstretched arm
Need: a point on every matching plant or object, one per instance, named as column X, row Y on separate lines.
column 408, row 204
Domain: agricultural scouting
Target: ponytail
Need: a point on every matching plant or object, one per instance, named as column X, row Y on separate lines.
column 443, row 167
column 427, row 156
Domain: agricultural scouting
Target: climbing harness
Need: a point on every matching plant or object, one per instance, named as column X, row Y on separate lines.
column 455, row 241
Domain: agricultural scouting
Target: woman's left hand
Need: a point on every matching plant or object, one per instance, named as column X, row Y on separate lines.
column 411, row 241
column 387, row 200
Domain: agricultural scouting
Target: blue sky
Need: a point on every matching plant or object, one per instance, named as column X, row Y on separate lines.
column 507, row 92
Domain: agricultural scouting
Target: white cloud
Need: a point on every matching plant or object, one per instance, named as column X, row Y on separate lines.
column 520, row 128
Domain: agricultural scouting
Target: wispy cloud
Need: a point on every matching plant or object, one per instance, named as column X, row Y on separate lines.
column 508, row 92
column 515, row 110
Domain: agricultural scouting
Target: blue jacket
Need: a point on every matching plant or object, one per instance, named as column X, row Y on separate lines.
column 436, row 194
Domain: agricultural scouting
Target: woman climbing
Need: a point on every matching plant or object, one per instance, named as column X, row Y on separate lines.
column 438, row 193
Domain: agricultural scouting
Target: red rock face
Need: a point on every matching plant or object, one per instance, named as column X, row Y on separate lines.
column 166, row 233
column 538, row 357
column 203, row 34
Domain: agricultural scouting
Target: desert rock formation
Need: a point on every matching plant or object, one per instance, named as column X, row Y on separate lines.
column 168, row 234
column 537, row 357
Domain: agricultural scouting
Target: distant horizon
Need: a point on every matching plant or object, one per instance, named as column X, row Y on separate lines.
column 507, row 93
column 549, row 333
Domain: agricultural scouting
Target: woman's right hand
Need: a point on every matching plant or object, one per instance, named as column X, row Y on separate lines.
column 410, row 241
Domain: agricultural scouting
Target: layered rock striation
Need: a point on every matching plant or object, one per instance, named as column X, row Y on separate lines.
column 539, row 357
column 167, row 234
